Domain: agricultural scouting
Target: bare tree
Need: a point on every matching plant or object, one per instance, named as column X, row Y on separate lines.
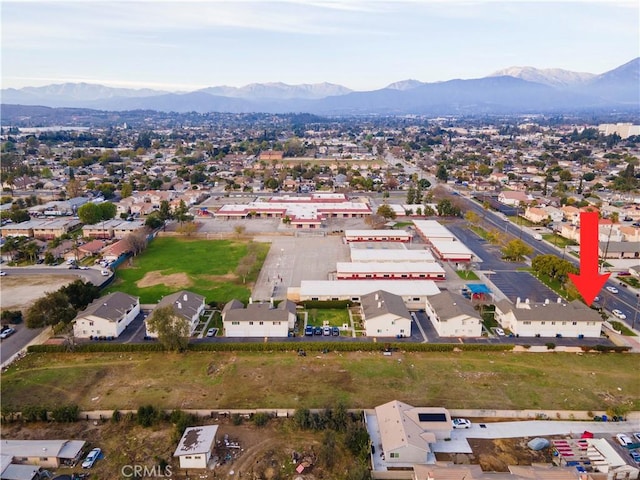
column 136, row 241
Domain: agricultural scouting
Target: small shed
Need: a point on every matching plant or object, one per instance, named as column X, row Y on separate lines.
column 195, row 447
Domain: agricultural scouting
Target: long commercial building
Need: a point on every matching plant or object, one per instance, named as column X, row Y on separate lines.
column 389, row 271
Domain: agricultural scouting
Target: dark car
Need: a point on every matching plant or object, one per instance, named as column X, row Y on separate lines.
column 308, row 331
column 335, row 331
column 317, row 330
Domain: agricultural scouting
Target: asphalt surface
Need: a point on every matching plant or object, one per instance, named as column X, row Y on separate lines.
column 626, row 300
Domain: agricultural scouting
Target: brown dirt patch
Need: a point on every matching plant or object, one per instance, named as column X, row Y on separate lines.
column 20, row 291
column 496, row 455
column 156, row 278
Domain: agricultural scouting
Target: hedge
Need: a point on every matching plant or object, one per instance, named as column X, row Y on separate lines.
column 274, row 347
column 320, row 304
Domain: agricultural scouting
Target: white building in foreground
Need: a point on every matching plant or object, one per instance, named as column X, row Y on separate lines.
column 195, row 447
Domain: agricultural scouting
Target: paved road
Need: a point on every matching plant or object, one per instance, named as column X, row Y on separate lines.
column 17, row 341
column 627, row 300
column 92, row 275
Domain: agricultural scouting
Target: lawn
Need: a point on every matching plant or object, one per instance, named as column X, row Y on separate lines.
column 206, row 267
column 334, row 316
column 362, row 379
column 467, row 275
column 557, row 240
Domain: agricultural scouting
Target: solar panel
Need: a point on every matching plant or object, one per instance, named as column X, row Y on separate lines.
column 432, row 417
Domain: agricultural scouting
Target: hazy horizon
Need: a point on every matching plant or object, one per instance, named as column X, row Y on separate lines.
column 362, row 45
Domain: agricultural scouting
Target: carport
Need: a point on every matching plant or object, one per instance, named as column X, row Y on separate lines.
column 477, row 291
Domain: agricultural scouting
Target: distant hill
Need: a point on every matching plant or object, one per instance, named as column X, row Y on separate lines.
column 512, row 90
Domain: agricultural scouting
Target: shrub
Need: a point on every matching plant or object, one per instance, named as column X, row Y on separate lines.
column 147, row 415
column 236, row 419
column 550, row 345
column 116, row 416
column 34, row 413
column 66, row 413
column 11, row 316
column 260, row 419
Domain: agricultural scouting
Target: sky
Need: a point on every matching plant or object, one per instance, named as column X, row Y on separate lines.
column 361, row 44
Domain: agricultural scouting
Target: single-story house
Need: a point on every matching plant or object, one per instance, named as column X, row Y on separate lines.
column 107, row 316
column 385, row 315
column 258, row 319
column 549, row 319
column 406, row 432
column 453, row 315
column 43, row 453
column 196, row 445
column 187, row 307
column 619, row 250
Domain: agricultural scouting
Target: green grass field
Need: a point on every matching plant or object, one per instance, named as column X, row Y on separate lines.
column 205, row 267
column 335, row 317
column 491, row 380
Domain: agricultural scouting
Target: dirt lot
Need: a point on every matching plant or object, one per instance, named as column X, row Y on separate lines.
column 252, row 452
column 19, row 292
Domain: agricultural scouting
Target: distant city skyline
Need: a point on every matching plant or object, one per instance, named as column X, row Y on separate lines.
column 363, row 45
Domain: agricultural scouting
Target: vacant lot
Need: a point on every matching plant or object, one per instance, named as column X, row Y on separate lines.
column 206, row 267
column 360, row 379
column 20, row 291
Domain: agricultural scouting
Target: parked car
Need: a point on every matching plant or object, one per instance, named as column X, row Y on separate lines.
column 211, row 332
column 3, row 273
column 317, row 331
column 105, row 273
column 83, row 267
column 637, row 437
column 73, row 266
column 499, row 331
column 635, row 456
column 624, row 439
column 461, row 423
column 7, row 332
column 612, row 289
column 619, row 314
column 335, row 331
column 326, row 331
column 308, row 331
column 91, row 458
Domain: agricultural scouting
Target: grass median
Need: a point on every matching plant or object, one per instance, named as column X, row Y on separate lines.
column 493, row 380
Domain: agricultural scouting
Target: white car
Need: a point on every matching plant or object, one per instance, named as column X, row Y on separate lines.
column 83, row 267
column 211, row 332
column 499, row 331
column 612, row 289
column 619, row 314
column 105, row 273
column 6, row 332
column 91, row 458
column 3, row 273
column 461, row 423
column 624, row 439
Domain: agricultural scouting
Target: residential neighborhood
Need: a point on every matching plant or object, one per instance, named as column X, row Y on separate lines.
column 372, row 236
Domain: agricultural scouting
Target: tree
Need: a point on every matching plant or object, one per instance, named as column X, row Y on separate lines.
column 516, row 250
column 126, row 190
column 471, row 217
column 19, row 216
column 92, row 213
column 136, row 242
column 73, row 188
column 172, row 331
column 446, row 208
column 182, row 213
column 154, row 221
column 411, row 195
column 442, row 174
column 51, row 309
column 80, row 293
column 386, row 212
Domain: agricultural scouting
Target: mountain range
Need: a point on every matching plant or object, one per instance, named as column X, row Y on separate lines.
column 511, row 90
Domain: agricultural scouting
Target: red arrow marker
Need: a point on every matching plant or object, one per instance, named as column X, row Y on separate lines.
column 589, row 282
